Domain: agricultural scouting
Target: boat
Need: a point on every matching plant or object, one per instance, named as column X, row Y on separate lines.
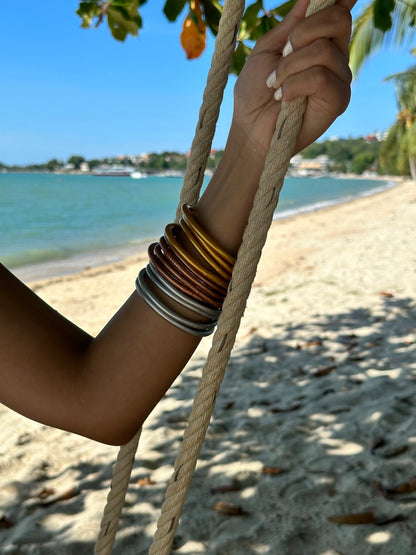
column 113, row 170
column 137, row 174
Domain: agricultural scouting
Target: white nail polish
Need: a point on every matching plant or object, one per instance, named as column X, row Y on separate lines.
column 288, row 49
column 278, row 94
column 271, row 80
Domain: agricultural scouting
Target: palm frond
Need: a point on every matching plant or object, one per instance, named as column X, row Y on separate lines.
column 367, row 39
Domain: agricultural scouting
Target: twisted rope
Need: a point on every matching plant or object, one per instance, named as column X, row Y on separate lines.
column 194, row 175
column 277, row 162
column 265, row 202
column 211, row 102
column 116, row 496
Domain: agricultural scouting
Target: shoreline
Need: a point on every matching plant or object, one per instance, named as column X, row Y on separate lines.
column 106, row 256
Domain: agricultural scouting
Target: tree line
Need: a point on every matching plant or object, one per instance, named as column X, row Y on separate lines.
column 350, row 155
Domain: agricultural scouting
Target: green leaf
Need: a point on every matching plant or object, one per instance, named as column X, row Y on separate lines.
column 382, row 14
column 212, row 12
column 173, row 8
column 264, row 24
column 283, row 9
column 251, row 13
column 239, row 58
column 123, row 18
column 87, row 11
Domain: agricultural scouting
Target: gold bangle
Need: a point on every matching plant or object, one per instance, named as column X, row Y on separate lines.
column 187, row 210
column 176, row 246
column 213, row 262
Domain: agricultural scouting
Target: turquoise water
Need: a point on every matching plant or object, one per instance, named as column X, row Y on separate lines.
column 47, row 217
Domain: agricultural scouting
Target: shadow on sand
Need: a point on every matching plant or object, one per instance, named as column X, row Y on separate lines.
column 318, row 421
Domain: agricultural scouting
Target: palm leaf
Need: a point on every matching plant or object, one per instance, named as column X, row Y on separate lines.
column 367, row 39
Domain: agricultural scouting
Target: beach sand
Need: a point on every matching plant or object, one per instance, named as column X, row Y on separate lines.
column 313, row 438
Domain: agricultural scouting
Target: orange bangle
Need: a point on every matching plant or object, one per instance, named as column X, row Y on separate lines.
column 176, row 246
column 187, row 210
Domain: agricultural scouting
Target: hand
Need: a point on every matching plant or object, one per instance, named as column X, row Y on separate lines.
column 317, row 69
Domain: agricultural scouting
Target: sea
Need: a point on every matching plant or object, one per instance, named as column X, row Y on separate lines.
column 53, row 224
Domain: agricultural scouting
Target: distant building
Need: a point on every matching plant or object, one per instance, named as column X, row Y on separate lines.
column 304, row 167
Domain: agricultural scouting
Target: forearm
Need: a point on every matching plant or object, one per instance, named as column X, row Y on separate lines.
column 105, row 387
column 224, row 208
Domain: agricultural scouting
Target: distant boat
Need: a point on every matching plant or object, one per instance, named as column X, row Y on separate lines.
column 113, row 171
column 137, row 175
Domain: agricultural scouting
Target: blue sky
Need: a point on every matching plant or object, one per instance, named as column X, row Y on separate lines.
column 65, row 90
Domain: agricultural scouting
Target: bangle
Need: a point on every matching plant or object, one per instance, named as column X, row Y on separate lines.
column 180, row 297
column 199, row 329
column 191, row 273
column 204, row 252
column 177, row 279
column 197, row 280
column 170, row 235
column 187, row 213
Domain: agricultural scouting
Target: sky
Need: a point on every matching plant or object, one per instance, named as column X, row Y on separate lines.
column 66, row 90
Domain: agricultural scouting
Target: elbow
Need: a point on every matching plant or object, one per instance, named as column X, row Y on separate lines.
column 116, row 438
column 109, row 430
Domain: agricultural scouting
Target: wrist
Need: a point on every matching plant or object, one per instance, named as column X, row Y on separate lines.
column 224, row 207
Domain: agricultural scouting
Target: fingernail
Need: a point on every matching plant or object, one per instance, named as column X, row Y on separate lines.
column 288, row 49
column 278, row 94
column 271, row 80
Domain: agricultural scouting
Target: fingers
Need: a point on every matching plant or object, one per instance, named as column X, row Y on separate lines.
column 320, row 53
column 333, row 23
column 329, row 93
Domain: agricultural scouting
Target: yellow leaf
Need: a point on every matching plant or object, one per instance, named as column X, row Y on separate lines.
column 193, row 36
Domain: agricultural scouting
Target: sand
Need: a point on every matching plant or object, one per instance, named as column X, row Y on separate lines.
column 314, row 426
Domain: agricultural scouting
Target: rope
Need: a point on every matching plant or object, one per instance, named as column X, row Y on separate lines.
column 211, row 102
column 194, row 175
column 265, row 202
column 116, row 495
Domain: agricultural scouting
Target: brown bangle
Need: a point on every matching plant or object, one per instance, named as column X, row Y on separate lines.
column 170, row 235
column 177, row 280
column 198, row 280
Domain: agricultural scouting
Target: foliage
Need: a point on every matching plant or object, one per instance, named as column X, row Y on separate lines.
column 399, row 153
column 76, row 161
column 380, row 21
column 123, row 16
column 354, row 155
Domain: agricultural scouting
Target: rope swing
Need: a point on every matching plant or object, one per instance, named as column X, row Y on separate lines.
column 265, row 202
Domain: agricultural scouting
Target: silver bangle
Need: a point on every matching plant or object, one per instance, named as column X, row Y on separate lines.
column 199, row 329
column 176, row 295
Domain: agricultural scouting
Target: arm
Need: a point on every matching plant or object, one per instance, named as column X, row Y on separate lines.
column 105, row 387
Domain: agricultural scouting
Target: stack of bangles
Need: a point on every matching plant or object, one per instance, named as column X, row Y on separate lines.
column 197, row 286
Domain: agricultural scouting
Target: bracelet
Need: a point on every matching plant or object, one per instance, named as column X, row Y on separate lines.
column 178, row 296
column 192, row 274
column 187, row 210
column 177, row 280
column 199, row 329
column 170, row 232
column 177, row 274
column 205, row 253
